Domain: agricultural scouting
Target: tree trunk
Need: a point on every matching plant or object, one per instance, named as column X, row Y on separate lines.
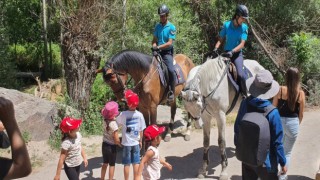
column 80, row 66
column 45, row 40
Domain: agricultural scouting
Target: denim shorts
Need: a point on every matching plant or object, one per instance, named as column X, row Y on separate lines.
column 131, row 155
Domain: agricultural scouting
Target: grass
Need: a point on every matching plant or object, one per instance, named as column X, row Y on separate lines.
column 26, row 136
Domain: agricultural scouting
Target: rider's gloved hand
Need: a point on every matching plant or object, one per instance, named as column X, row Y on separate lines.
column 155, row 48
column 229, row 54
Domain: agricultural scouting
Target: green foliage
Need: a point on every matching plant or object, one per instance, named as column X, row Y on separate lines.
column 305, row 50
column 7, row 72
column 100, row 94
column 26, row 136
column 29, row 56
column 22, row 19
column 314, row 96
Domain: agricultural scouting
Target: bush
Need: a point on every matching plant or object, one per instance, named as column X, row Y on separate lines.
column 100, row 94
column 29, row 57
column 305, row 50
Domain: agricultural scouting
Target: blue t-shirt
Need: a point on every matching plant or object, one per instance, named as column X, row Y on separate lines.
column 164, row 33
column 233, row 34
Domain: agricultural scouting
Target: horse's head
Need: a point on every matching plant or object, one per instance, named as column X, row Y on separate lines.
column 192, row 102
column 115, row 79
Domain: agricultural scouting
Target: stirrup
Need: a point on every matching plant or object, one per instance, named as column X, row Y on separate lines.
column 170, row 97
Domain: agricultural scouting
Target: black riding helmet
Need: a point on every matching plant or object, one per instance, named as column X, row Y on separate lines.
column 163, row 9
column 243, row 11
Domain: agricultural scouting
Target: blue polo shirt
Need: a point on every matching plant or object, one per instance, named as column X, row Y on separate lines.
column 233, row 34
column 164, row 33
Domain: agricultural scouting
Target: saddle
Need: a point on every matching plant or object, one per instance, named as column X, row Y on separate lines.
column 164, row 73
column 233, row 77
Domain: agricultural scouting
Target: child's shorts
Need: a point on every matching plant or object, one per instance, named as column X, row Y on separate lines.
column 109, row 153
column 131, row 155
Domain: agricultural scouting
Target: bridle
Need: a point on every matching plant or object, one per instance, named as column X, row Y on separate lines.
column 123, row 85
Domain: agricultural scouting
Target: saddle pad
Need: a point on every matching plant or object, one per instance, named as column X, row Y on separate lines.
column 247, row 73
column 179, row 78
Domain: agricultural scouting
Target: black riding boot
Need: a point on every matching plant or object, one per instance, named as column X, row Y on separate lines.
column 243, row 88
column 171, row 91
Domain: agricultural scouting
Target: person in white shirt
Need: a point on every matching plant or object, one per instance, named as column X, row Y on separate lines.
column 151, row 163
column 72, row 154
column 133, row 124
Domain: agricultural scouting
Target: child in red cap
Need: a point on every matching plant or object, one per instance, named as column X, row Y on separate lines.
column 133, row 124
column 151, row 162
column 110, row 138
column 72, row 154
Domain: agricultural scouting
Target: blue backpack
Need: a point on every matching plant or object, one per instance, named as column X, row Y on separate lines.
column 253, row 142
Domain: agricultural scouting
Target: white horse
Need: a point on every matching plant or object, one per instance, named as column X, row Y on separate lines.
column 207, row 94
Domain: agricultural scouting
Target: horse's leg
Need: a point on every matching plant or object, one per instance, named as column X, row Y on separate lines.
column 188, row 132
column 206, row 143
column 221, row 123
column 170, row 129
column 150, row 117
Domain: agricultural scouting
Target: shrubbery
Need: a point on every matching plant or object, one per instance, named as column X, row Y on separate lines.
column 29, row 57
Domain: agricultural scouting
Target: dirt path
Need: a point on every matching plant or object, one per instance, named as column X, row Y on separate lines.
column 186, row 157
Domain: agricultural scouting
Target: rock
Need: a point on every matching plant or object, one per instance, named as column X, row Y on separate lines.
column 34, row 115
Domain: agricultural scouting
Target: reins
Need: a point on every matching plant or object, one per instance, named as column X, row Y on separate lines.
column 215, row 89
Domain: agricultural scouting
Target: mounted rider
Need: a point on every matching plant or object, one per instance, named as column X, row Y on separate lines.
column 235, row 34
column 163, row 38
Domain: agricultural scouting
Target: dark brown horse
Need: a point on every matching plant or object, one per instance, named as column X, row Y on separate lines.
column 143, row 70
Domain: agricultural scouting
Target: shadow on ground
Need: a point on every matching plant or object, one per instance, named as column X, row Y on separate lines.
column 96, row 163
column 186, row 166
column 290, row 177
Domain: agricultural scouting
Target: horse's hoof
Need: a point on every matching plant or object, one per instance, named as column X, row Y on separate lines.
column 223, row 177
column 201, row 176
column 167, row 138
column 187, row 137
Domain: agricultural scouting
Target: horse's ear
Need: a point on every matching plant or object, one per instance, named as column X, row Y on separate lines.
column 195, row 95
column 183, row 94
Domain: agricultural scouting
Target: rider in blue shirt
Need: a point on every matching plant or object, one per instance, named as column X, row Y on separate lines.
column 235, row 34
column 163, row 38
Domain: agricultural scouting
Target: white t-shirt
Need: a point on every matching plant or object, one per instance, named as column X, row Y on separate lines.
column 132, row 123
column 151, row 170
column 108, row 134
column 73, row 148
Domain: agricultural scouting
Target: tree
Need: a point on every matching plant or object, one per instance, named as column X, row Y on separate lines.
column 81, row 23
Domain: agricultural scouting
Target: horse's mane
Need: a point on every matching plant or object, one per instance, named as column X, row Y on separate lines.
column 129, row 59
column 208, row 76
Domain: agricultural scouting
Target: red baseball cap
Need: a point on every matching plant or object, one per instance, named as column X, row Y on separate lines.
column 152, row 132
column 132, row 99
column 68, row 124
column 127, row 93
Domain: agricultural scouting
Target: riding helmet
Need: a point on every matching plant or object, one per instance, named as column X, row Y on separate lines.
column 243, row 11
column 163, row 9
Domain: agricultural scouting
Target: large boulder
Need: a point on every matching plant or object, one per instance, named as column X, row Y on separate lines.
column 34, row 115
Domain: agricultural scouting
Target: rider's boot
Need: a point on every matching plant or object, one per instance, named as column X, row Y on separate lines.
column 170, row 98
column 243, row 88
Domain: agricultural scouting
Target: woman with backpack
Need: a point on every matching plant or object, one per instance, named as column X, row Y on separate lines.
column 290, row 101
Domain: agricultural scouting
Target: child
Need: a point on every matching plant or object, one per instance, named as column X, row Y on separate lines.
column 71, row 151
column 133, row 124
column 151, row 163
column 110, row 138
